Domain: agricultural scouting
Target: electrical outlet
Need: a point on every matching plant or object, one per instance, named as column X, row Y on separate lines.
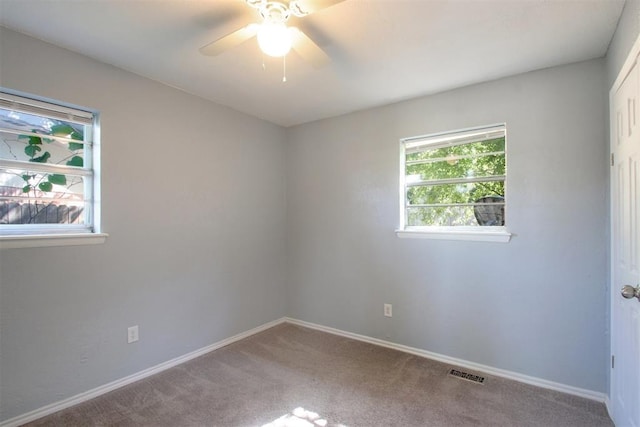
column 132, row 334
column 388, row 310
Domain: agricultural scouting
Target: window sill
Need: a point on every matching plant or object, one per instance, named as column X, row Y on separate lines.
column 47, row 240
column 493, row 235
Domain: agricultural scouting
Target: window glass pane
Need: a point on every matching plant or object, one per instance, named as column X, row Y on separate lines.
column 453, row 193
column 17, row 120
column 38, row 149
column 486, row 146
column 457, row 166
column 41, row 212
column 455, row 178
column 40, row 198
column 428, row 152
column 46, row 159
column 447, row 216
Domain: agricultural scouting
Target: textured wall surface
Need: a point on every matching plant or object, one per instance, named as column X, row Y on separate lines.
column 535, row 305
column 623, row 39
column 193, row 200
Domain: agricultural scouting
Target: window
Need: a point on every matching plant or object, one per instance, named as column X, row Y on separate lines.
column 48, row 182
column 453, row 184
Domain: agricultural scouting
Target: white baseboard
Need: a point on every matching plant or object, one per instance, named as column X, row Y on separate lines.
column 82, row 397
column 607, row 404
column 539, row 382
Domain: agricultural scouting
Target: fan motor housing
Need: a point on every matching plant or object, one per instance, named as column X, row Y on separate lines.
column 274, row 11
column 277, row 11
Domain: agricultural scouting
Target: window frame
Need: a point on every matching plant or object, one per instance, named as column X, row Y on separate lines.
column 38, row 235
column 469, row 233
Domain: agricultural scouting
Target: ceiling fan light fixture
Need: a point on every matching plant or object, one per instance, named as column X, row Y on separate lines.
column 274, row 39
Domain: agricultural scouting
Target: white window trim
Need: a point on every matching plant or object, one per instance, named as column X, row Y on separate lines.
column 477, row 234
column 486, row 234
column 48, row 240
column 51, row 235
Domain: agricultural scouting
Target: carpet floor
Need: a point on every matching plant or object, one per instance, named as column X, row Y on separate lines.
column 290, row 376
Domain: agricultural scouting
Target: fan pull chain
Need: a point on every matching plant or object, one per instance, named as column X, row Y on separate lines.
column 284, row 69
column 264, row 67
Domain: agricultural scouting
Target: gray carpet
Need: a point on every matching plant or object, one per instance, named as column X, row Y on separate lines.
column 293, row 376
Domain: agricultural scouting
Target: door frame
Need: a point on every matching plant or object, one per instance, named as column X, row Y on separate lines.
column 632, row 57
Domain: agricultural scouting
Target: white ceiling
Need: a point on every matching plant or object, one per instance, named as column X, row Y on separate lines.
column 382, row 50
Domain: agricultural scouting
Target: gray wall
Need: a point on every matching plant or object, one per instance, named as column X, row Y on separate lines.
column 535, row 305
column 193, row 200
column 623, row 39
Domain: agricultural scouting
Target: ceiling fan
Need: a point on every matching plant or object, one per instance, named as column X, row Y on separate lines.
column 274, row 37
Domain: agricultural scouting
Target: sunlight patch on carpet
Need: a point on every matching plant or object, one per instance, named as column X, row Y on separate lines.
column 300, row 417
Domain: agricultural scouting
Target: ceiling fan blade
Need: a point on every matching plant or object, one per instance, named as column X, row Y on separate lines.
column 230, row 40
column 305, row 7
column 308, row 50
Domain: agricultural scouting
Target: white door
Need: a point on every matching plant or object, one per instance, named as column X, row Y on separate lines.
column 625, row 246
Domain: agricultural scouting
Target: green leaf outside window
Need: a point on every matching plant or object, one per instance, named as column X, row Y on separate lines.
column 31, row 150
column 41, row 159
column 57, row 179
column 76, row 161
column 45, row 186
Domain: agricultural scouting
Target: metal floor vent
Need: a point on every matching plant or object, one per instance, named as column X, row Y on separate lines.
column 467, row 376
